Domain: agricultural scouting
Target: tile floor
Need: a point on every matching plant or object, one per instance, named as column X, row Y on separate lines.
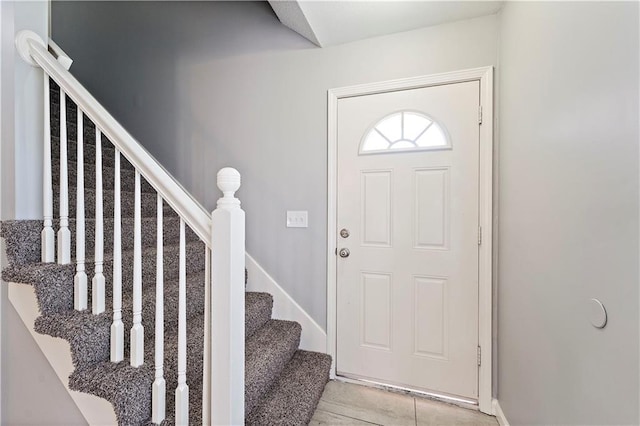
column 348, row 404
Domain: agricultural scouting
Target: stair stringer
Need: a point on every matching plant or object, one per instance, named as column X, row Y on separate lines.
column 96, row 411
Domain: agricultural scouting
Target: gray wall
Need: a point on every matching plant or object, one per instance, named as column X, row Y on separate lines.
column 210, row 84
column 568, row 212
column 31, row 391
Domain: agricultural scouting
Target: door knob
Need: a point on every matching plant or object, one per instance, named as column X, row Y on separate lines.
column 344, row 252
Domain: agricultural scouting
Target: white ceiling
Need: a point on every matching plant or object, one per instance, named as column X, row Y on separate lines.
column 327, row 23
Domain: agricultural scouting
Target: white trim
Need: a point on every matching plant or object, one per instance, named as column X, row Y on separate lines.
column 96, row 411
column 485, row 77
column 485, row 261
column 497, row 411
column 60, row 54
column 284, row 307
column 447, row 399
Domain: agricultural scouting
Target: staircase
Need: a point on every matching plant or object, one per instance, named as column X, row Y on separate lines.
column 282, row 383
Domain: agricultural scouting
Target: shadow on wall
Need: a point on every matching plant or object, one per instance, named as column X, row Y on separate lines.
column 130, row 56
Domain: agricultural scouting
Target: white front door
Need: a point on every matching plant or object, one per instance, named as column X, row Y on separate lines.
column 407, row 233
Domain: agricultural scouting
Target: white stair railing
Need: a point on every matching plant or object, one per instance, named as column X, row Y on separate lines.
column 227, row 302
column 223, row 233
column 117, row 327
column 97, row 284
column 48, row 235
column 137, row 331
column 182, row 391
column 64, row 235
column 80, row 279
column 158, row 393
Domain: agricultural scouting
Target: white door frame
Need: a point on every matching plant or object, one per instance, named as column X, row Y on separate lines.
column 485, row 77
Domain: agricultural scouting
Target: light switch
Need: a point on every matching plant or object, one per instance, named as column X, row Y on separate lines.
column 297, row 219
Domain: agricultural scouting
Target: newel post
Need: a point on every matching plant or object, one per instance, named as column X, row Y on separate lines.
column 227, row 303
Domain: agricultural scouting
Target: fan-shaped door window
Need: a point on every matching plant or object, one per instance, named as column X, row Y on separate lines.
column 404, row 131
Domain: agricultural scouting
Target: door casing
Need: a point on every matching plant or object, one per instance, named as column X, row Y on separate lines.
column 485, row 303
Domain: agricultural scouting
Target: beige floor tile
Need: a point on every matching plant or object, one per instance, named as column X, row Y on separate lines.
column 321, row 417
column 368, row 404
column 433, row 413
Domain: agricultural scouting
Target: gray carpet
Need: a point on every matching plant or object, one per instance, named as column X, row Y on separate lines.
column 283, row 384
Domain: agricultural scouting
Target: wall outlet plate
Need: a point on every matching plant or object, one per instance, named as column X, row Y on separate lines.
column 297, row 219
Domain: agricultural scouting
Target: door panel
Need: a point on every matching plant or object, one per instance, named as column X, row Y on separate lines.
column 407, row 295
column 431, row 218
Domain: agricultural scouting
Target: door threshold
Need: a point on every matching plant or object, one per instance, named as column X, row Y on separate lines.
column 469, row 404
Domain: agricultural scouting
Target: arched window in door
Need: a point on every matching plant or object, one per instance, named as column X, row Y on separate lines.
column 405, row 131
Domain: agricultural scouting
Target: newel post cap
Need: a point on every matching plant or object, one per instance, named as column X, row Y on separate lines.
column 229, row 183
column 23, row 40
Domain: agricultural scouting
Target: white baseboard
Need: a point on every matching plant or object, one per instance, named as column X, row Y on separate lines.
column 96, row 411
column 313, row 338
column 497, row 411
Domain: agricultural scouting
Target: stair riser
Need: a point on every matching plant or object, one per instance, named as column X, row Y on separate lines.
column 144, row 377
column 148, row 203
column 89, row 135
column 63, row 301
column 195, row 258
column 72, row 119
column 22, row 241
column 258, row 311
column 89, row 351
column 195, row 305
column 88, row 154
column 54, row 96
column 127, row 177
column 303, row 380
column 23, row 245
column 265, row 360
column 170, row 232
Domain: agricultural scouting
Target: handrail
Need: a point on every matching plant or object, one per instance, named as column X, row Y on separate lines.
column 61, row 55
column 193, row 213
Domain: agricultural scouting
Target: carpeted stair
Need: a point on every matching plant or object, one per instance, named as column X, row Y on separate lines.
column 283, row 383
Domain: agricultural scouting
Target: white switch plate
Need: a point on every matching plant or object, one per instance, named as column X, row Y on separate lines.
column 297, row 219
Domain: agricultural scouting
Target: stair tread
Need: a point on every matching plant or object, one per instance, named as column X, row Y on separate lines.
column 294, row 397
column 54, row 283
column 117, row 383
column 82, row 327
column 269, row 350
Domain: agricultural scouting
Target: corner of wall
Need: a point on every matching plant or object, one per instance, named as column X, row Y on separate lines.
column 497, row 411
column 313, row 337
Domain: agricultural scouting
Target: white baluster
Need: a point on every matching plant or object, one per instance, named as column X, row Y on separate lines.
column 182, row 391
column 97, row 284
column 227, row 303
column 48, row 236
column 117, row 328
column 137, row 331
column 206, row 360
column 159, row 385
column 64, row 235
column 80, row 279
